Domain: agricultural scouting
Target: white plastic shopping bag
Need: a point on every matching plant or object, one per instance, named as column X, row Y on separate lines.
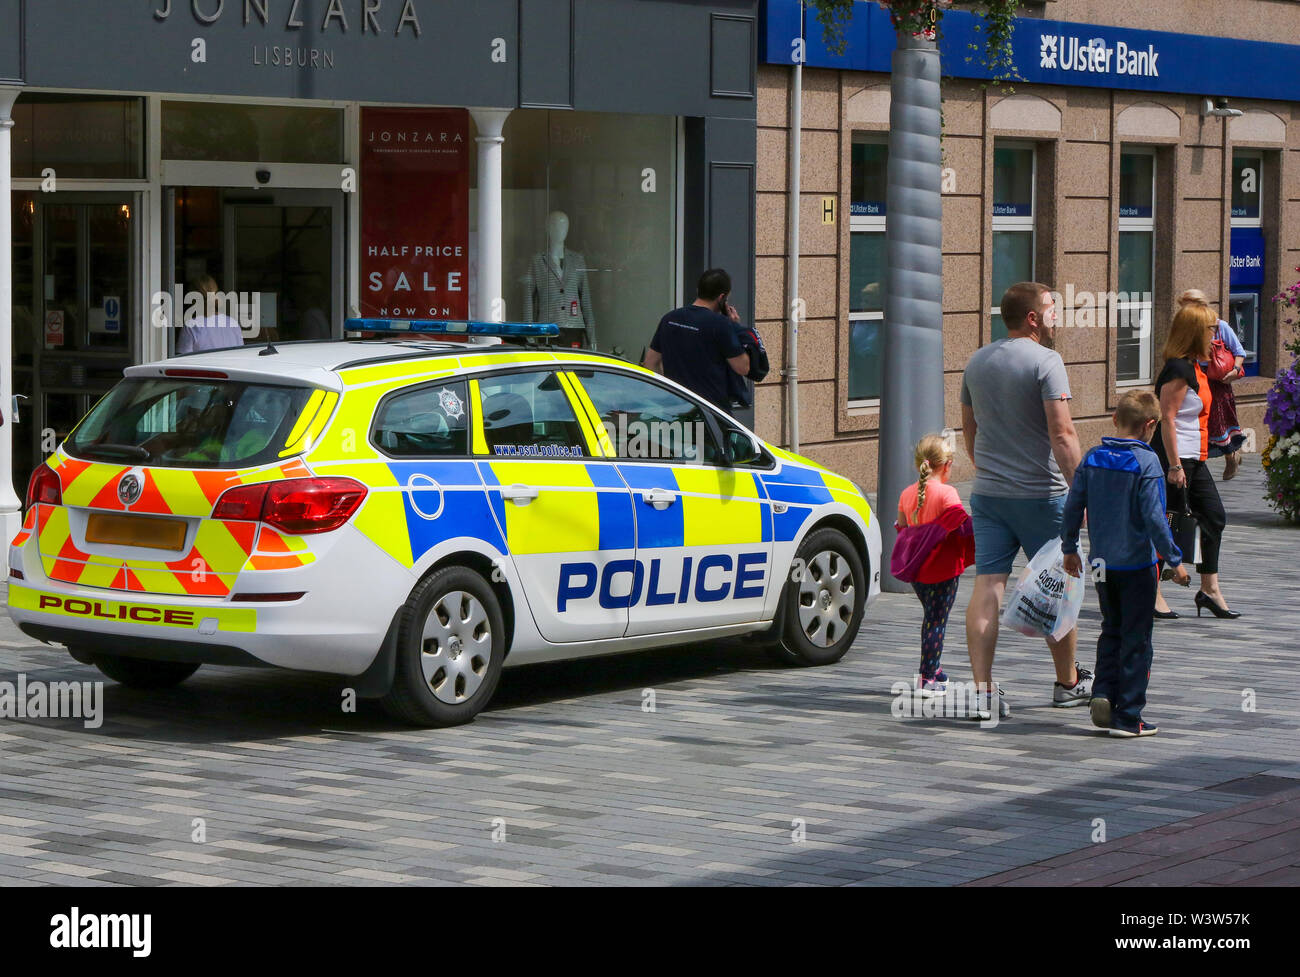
column 1047, row 600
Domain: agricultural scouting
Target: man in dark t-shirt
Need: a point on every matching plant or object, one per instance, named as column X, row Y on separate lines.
column 698, row 346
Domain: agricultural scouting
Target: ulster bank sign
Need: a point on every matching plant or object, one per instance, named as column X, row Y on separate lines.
column 1070, row 53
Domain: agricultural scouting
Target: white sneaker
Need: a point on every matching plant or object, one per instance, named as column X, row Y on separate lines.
column 1077, row 694
column 984, row 706
column 929, row 688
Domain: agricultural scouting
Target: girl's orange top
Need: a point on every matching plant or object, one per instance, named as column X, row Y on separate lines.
column 956, row 550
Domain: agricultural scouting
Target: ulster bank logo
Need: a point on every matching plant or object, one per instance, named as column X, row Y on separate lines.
column 1047, row 52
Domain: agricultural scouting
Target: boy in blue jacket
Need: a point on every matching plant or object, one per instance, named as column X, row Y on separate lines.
column 1122, row 486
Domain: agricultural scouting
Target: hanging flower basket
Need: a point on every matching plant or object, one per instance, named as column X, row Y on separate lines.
column 919, row 18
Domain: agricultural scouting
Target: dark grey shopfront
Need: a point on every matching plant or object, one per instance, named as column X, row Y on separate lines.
column 156, row 141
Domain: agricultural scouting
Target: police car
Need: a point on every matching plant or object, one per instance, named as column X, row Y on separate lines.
column 416, row 515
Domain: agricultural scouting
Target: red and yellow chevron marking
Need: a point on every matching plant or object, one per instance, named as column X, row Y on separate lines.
column 276, row 551
column 166, row 491
column 29, row 527
column 221, row 548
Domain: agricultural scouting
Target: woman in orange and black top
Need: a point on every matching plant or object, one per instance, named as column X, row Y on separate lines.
column 1183, row 434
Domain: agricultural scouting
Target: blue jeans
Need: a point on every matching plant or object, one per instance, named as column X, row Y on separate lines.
column 1003, row 526
column 1128, row 600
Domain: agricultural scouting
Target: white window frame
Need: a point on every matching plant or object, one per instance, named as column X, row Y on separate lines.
column 1258, row 156
column 1123, row 309
column 1004, row 223
column 865, row 224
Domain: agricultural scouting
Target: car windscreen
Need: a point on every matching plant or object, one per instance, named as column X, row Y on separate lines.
column 190, row 423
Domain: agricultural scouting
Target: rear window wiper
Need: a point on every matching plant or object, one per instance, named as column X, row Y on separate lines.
column 130, row 450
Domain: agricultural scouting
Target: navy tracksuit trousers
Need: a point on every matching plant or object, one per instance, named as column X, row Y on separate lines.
column 1128, row 600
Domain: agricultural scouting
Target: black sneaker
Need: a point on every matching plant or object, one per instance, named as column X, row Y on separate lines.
column 1099, row 709
column 1143, row 729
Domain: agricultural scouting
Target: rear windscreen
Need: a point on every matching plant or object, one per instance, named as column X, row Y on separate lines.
column 175, row 423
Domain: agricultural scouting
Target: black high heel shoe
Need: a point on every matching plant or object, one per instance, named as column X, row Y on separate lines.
column 1166, row 615
column 1203, row 600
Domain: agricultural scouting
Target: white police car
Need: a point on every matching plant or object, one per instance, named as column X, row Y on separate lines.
column 416, row 515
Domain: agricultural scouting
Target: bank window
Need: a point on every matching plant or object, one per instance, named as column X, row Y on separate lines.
column 82, row 137
column 528, row 415
column 426, row 422
column 1246, row 302
column 1014, row 178
column 1247, row 177
column 1137, row 238
column 589, row 226
column 870, row 158
column 213, row 131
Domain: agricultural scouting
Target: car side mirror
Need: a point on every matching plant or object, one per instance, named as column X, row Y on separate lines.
column 739, row 448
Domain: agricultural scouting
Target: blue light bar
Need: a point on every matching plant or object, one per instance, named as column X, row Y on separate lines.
column 455, row 327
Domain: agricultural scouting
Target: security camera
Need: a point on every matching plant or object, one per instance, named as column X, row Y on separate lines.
column 264, row 176
column 1218, row 107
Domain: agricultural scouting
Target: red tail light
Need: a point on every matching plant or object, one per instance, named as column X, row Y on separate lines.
column 295, row 505
column 44, row 486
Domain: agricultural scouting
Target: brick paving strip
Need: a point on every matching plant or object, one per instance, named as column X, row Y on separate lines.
column 1257, row 843
column 744, row 773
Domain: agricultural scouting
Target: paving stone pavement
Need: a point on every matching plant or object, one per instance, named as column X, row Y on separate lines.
column 744, row 773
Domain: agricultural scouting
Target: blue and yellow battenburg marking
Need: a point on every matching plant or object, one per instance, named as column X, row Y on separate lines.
column 582, row 505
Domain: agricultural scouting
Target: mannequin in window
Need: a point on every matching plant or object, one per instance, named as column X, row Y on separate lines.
column 556, row 288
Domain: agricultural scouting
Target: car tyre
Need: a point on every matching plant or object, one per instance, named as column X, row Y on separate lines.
column 450, row 647
column 823, row 602
column 141, row 673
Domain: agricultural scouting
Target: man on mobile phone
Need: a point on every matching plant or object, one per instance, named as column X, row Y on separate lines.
column 699, row 344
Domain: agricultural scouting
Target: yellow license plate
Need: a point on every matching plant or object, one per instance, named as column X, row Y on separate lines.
column 114, row 530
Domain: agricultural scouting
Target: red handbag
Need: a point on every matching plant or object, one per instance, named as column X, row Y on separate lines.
column 1222, row 362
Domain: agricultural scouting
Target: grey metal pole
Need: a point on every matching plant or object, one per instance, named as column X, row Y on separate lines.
column 11, row 506
column 793, row 305
column 911, row 398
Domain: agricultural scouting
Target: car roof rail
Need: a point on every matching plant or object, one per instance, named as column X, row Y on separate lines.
column 464, row 330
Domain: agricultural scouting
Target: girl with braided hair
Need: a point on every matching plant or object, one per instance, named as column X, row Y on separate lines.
column 935, row 544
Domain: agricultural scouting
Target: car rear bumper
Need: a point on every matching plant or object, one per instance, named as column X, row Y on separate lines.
column 337, row 626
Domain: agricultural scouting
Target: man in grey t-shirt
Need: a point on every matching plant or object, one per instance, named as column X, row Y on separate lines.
column 1015, row 399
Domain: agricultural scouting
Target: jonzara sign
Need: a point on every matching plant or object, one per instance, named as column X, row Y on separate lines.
column 368, row 16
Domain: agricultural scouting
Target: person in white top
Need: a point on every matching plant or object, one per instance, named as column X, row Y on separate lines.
column 215, row 330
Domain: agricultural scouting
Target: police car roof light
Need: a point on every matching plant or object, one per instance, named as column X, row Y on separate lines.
column 455, row 327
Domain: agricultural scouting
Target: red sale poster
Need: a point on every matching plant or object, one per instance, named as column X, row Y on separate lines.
column 414, row 213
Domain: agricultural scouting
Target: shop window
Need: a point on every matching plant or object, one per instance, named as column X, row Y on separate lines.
column 79, row 137
column 1013, row 224
column 870, row 159
column 589, row 226
column 251, row 133
column 1137, row 233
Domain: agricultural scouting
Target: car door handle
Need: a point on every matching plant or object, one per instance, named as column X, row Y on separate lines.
column 659, row 498
column 520, row 494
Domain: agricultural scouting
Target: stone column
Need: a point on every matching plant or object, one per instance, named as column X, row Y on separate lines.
column 490, row 304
